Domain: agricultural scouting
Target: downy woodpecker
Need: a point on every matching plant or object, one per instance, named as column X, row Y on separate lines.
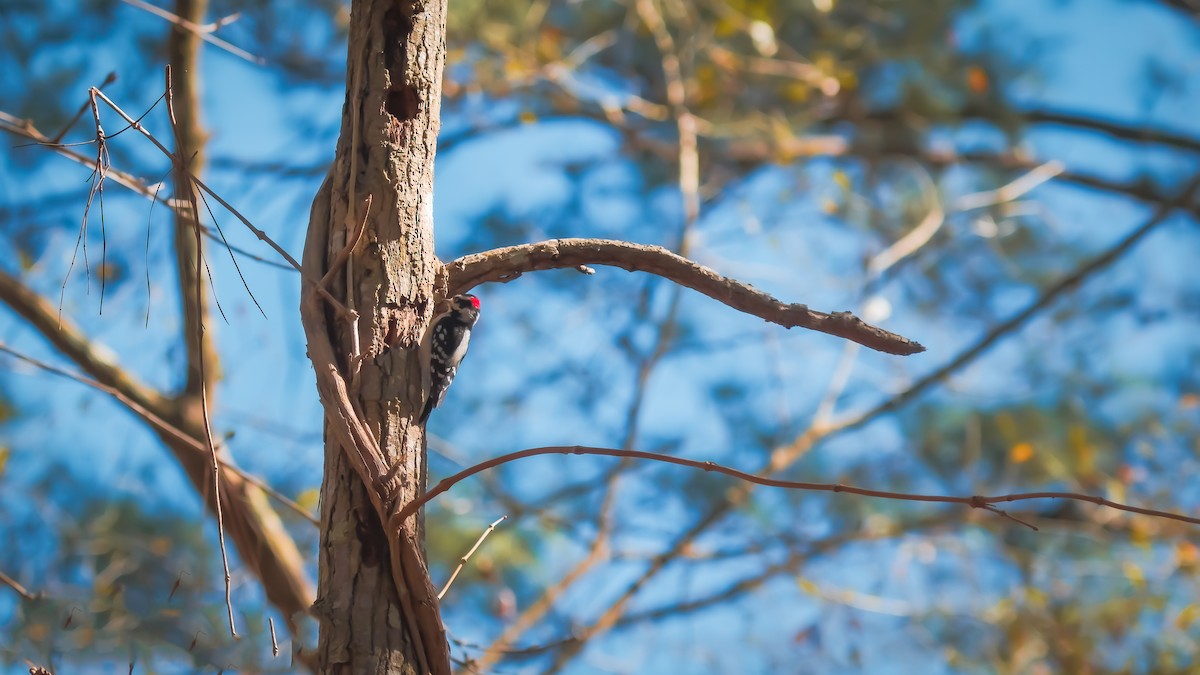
column 446, row 345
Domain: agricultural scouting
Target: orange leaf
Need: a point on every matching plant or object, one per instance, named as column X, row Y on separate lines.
column 1187, row 554
column 1021, row 453
column 977, row 79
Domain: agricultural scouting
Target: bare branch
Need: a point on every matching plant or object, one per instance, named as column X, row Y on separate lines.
column 1048, row 296
column 785, row 455
column 975, row 502
column 203, row 32
column 1131, row 131
column 1189, row 7
column 506, row 264
column 25, row 129
column 685, row 122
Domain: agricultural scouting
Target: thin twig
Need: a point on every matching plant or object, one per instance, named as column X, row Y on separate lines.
column 463, row 561
column 203, row 32
column 183, row 182
column 20, row 590
column 1047, row 296
column 109, row 79
column 25, row 129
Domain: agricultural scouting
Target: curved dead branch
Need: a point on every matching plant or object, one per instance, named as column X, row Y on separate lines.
column 974, row 501
column 506, row 264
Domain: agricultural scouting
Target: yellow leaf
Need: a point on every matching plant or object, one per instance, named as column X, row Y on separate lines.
column 1021, row 453
column 308, row 499
column 797, row 92
column 1134, row 574
column 842, row 179
column 5, row 452
column 549, row 44
column 726, row 27
column 528, row 117
column 1007, row 425
column 1187, row 617
column 1036, row 597
column 1116, row 491
column 807, row 586
column 1083, row 452
column 1142, row 532
column 847, row 79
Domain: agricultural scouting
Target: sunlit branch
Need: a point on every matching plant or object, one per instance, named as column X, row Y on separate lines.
column 204, row 32
column 159, row 423
column 506, row 264
column 70, row 341
column 462, row 562
column 685, row 122
column 260, row 537
column 264, row 543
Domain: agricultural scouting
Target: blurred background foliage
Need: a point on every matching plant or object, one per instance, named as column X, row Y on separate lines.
column 1007, row 143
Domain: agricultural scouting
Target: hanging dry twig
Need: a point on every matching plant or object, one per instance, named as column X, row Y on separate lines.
column 183, row 184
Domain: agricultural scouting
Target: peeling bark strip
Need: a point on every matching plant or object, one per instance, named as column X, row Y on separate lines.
column 377, row 606
column 506, row 264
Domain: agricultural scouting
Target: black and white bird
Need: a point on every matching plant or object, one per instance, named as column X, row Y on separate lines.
column 446, row 345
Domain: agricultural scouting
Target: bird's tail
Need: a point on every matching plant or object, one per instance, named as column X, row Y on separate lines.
column 429, row 403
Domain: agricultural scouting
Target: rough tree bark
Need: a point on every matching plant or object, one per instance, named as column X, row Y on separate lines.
column 385, row 154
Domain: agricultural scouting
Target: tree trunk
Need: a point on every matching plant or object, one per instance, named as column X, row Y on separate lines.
column 385, row 153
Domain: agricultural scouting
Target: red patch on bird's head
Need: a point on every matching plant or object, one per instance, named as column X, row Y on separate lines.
column 474, row 301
